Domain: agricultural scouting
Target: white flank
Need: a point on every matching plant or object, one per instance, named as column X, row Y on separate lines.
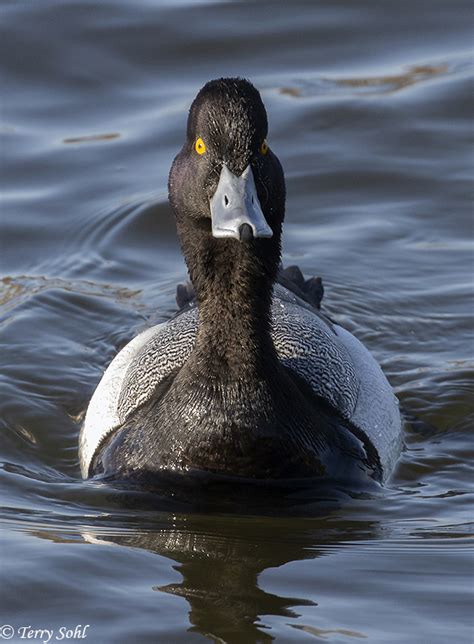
column 102, row 413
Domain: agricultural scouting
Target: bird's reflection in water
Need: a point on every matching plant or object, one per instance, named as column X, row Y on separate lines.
column 220, row 570
column 221, row 554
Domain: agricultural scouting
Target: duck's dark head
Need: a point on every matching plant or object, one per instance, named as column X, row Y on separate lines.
column 226, row 186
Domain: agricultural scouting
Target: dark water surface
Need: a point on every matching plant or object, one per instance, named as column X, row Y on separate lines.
column 369, row 105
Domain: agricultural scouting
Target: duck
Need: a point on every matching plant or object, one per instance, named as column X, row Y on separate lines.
column 250, row 379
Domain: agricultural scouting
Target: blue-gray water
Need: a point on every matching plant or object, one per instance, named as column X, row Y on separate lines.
column 369, row 105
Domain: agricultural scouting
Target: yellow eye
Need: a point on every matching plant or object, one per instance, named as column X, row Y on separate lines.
column 200, row 146
column 263, row 148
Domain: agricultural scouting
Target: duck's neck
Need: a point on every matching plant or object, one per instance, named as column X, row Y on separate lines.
column 233, row 282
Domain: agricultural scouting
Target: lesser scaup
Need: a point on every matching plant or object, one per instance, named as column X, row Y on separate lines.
column 250, row 380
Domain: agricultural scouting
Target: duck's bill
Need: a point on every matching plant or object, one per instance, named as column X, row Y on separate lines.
column 235, row 208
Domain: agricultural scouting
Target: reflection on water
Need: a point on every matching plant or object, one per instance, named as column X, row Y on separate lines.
column 92, row 137
column 371, row 85
column 220, row 568
column 370, row 112
column 219, row 576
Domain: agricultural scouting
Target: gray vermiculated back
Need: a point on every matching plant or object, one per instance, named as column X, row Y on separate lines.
column 165, row 352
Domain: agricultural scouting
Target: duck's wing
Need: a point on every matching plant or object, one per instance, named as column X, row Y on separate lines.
column 132, row 377
column 340, row 370
column 307, row 343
